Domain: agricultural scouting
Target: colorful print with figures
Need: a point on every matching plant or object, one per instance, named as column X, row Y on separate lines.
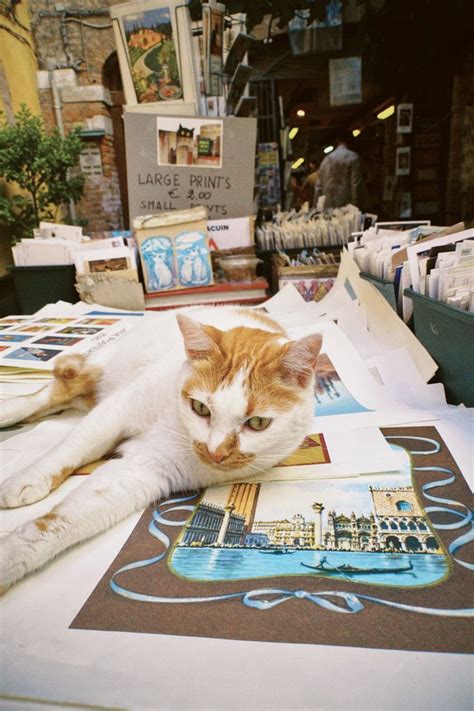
column 153, row 58
column 158, row 261
column 334, row 561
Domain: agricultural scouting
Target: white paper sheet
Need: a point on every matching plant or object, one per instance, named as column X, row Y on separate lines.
column 352, row 453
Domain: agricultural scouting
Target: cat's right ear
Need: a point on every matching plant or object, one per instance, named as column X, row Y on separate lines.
column 199, row 341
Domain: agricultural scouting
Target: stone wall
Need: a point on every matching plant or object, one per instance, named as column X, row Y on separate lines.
column 72, row 43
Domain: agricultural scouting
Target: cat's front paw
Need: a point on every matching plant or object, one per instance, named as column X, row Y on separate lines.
column 22, row 489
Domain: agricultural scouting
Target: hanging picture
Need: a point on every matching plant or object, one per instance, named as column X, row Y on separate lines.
column 403, row 164
column 345, row 81
column 154, row 47
column 404, row 118
column 213, row 46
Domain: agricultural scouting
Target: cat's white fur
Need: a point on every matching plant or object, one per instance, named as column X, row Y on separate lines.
column 142, row 416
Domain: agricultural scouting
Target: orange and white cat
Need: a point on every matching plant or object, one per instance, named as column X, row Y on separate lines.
column 187, row 399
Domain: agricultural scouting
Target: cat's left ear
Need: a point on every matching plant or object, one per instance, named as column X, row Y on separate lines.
column 299, row 361
column 199, row 341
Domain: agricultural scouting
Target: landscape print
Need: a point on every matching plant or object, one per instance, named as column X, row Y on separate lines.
column 367, row 530
column 153, row 57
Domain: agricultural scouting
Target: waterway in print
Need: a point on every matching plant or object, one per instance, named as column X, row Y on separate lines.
column 250, row 563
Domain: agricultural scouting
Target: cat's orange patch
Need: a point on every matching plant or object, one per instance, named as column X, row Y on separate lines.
column 254, row 352
column 262, row 318
column 233, row 457
column 57, row 479
column 46, row 522
column 74, row 378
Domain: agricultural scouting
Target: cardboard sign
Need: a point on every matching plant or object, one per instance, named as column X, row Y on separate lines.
column 168, row 168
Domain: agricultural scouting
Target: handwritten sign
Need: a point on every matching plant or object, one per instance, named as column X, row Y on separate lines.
column 226, row 191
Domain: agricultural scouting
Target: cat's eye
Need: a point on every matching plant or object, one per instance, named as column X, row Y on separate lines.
column 200, row 408
column 258, row 423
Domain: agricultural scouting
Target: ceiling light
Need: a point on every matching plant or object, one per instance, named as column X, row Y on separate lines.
column 301, row 112
column 297, row 163
column 293, row 132
column 328, row 149
column 386, row 112
column 356, row 132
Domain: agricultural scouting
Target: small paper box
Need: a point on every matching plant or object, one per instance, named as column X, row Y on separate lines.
column 174, row 249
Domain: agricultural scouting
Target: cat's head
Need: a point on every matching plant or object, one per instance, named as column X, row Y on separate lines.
column 247, row 395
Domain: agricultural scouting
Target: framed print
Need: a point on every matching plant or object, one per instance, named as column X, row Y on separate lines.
column 213, row 30
column 154, row 47
column 403, row 164
column 404, row 118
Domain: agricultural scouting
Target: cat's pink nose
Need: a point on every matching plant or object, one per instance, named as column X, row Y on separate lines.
column 216, row 456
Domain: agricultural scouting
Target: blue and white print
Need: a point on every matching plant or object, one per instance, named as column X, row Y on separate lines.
column 193, row 260
column 158, row 259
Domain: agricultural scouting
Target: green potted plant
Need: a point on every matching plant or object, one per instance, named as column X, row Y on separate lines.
column 42, row 164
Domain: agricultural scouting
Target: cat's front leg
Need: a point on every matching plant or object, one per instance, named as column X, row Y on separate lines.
column 95, row 435
column 117, row 489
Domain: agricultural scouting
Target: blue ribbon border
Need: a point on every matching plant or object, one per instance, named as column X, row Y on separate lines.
column 267, row 598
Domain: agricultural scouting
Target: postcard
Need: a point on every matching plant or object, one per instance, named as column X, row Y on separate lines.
column 35, row 328
column 35, row 354
column 80, row 330
column 57, row 341
column 13, row 337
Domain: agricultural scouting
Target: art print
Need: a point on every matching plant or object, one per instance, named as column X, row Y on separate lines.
column 155, row 52
column 107, row 265
column 213, row 45
column 55, row 320
column 98, row 321
column 331, row 395
column 190, row 142
column 193, row 259
column 34, row 354
column 152, row 55
column 311, row 289
column 13, row 337
column 367, row 561
column 403, row 164
column 80, row 330
column 57, row 341
column 404, row 118
column 12, row 320
column 158, row 263
column 370, row 529
column 34, row 328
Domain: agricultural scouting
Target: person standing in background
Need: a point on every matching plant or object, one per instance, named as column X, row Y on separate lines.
column 340, row 177
column 307, row 189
